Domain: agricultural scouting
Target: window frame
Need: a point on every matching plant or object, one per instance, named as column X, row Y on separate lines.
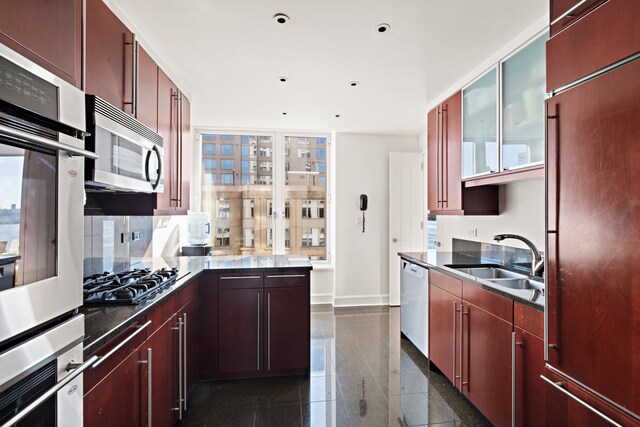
column 278, row 183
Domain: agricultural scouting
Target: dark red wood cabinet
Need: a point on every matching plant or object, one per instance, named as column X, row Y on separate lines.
column 593, row 152
column 263, row 322
column 110, row 56
column 446, row 194
column 48, row 32
column 174, row 123
column 598, row 39
column 147, row 90
column 444, row 332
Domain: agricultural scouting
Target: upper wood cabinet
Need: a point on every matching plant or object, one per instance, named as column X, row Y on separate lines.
column 48, row 32
column 446, row 194
column 563, row 13
column 147, row 90
column 110, row 57
column 597, row 40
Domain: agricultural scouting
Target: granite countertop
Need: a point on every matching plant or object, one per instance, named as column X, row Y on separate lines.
column 102, row 323
column 440, row 260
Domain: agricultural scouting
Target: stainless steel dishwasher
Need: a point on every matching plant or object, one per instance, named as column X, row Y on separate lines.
column 414, row 305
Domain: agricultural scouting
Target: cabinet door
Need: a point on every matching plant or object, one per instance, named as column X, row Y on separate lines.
column 601, row 38
column 147, row 95
column 208, row 326
column 116, row 400
column 164, row 373
column 184, row 156
column 48, row 32
column 593, row 185
column 486, row 372
column 240, row 322
column 191, row 318
column 287, row 329
column 109, row 57
column 562, row 410
column 433, row 160
column 452, row 145
column 578, row 8
column 444, row 333
column 529, row 387
column 168, row 129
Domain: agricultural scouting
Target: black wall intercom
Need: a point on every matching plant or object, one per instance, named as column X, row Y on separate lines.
column 364, row 201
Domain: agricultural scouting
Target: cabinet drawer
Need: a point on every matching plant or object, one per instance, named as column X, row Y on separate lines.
column 495, row 304
column 240, row 280
column 94, row 375
column 291, row 278
column 445, row 282
column 557, row 8
column 529, row 319
column 160, row 314
column 603, row 37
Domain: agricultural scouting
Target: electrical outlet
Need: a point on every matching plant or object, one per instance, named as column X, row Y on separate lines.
column 135, row 236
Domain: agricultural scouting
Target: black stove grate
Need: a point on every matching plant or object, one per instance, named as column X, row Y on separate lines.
column 127, row 288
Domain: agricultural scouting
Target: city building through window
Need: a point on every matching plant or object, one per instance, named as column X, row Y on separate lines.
column 240, row 197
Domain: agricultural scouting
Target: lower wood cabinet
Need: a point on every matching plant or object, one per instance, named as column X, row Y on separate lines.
column 495, row 358
column 263, row 324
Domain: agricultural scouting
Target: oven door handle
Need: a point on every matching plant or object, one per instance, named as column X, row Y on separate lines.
column 44, row 142
column 52, row 391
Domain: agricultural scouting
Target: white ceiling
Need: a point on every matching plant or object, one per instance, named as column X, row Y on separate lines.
column 228, row 55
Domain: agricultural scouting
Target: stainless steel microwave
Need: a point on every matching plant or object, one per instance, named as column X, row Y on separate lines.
column 131, row 156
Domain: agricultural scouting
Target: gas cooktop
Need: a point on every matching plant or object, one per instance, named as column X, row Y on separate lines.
column 128, row 287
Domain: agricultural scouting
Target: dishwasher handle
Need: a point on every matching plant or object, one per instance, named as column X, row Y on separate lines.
column 414, row 270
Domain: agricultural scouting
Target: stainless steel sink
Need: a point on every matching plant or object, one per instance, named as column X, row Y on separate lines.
column 490, row 273
column 520, row 283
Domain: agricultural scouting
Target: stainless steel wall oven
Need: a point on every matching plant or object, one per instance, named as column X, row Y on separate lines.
column 42, row 126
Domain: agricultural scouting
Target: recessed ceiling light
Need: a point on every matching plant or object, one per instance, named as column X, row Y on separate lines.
column 284, row 114
column 283, row 79
column 383, row 28
column 354, row 83
column 281, row 18
column 337, row 116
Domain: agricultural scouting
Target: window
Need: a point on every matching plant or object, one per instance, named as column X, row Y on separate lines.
column 209, row 178
column 312, row 237
column 249, row 241
column 223, row 210
column 226, row 178
column 303, row 153
column 209, row 164
column 240, row 196
column 223, row 236
column 248, row 206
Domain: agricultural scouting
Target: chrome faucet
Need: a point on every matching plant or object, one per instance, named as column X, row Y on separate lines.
column 537, row 264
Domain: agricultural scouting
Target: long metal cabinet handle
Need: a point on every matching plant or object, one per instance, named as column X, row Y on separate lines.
column 179, row 152
column 238, row 277
column 455, row 310
column 180, row 373
column 119, row 346
column 438, row 171
column 445, row 149
column 513, row 379
column 558, row 386
column 269, row 330
column 184, row 360
column 149, row 386
column 52, row 391
column 462, row 313
column 258, row 352
column 568, row 12
column 45, row 143
column 272, row 276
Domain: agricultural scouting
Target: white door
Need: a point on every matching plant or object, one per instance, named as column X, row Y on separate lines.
column 406, row 213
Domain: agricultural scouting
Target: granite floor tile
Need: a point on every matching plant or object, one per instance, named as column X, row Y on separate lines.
column 362, row 374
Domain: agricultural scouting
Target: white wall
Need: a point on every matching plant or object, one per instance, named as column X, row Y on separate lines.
column 521, row 212
column 361, row 259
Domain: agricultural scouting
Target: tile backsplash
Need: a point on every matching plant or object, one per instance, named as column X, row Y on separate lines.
column 132, row 238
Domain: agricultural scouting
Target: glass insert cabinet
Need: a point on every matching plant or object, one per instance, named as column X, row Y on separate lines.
column 503, row 114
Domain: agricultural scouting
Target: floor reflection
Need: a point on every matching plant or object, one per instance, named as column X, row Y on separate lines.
column 362, row 374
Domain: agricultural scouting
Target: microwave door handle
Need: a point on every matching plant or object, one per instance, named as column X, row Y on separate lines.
column 147, row 164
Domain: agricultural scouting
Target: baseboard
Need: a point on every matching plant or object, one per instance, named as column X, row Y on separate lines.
column 321, row 299
column 360, row 300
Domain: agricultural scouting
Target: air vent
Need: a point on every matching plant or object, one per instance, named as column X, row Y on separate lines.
column 107, row 110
